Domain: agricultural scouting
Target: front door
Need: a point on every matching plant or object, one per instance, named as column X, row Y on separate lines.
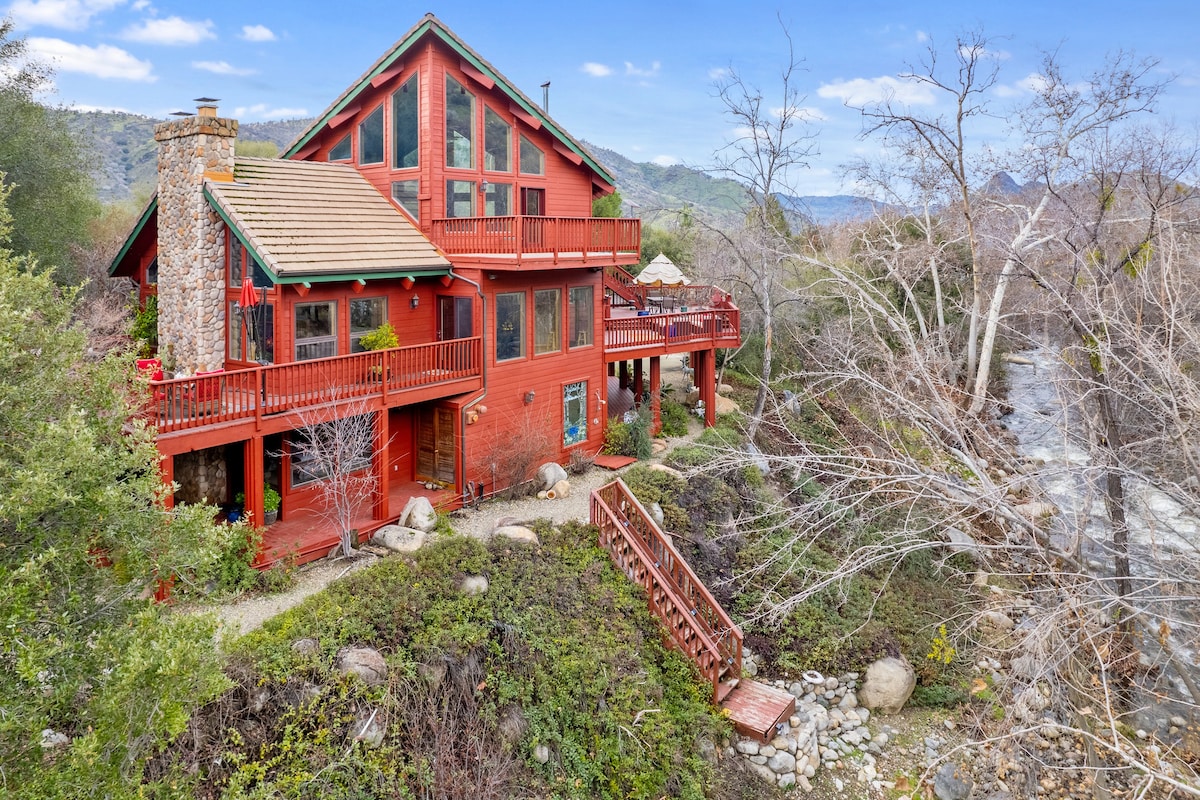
column 435, row 444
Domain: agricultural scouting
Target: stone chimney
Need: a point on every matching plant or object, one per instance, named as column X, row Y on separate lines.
column 191, row 237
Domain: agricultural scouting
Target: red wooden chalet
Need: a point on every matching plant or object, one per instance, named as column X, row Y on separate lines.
column 432, row 195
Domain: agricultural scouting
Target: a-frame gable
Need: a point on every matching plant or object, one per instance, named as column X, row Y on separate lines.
column 476, row 66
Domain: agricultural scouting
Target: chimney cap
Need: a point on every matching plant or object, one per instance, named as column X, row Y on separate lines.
column 205, row 100
column 181, row 113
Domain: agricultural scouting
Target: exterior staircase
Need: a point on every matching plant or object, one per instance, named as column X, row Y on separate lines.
column 619, row 283
column 694, row 622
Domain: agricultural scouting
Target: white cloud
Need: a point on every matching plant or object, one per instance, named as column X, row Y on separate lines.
column 1032, row 83
column 665, row 161
column 631, row 69
column 866, row 91
column 262, row 111
column 102, row 61
column 922, row 37
column 597, row 70
column 806, row 113
column 984, row 53
column 170, row 31
column 72, row 15
column 257, row 33
column 85, row 108
column 221, row 68
column 718, row 73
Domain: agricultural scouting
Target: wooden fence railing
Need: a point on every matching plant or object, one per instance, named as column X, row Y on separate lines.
column 695, row 622
column 712, row 328
column 230, row 396
column 520, row 236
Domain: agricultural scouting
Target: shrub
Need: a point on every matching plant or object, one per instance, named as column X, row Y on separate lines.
column 630, row 438
column 674, row 418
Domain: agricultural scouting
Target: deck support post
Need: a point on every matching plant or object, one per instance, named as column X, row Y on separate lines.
column 623, row 375
column 253, row 478
column 705, row 376
column 638, row 383
column 166, row 468
column 381, row 466
column 655, row 394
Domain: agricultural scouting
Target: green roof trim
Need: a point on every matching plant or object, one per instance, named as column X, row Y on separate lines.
column 431, row 23
column 150, row 209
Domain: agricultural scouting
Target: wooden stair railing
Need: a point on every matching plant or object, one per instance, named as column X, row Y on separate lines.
column 620, row 282
column 695, row 622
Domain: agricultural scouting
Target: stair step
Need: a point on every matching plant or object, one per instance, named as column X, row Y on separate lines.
column 724, row 688
column 755, row 708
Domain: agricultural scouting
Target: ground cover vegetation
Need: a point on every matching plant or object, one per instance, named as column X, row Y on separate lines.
column 558, row 656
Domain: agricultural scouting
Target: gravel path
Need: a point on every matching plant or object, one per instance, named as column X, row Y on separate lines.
column 246, row 614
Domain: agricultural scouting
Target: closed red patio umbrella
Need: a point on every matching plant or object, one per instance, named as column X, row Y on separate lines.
column 247, row 302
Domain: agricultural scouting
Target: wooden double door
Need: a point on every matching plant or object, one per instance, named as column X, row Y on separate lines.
column 435, row 448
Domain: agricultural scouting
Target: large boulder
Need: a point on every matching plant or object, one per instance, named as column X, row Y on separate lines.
column 549, row 474
column 418, row 513
column 888, row 685
column 365, row 662
column 400, row 539
column 518, row 533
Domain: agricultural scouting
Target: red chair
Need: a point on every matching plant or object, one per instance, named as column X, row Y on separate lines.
column 203, row 396
column 151, row 369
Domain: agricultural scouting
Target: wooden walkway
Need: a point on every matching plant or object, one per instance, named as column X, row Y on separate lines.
column 694, row 622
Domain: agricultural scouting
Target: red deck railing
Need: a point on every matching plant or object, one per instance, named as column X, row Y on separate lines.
column 694, row 620
column 585, row 238
column 211, row 398
column 708, row 328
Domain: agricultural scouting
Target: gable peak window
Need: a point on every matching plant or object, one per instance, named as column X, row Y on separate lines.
column 370, row 138
column 460, row 126
column 533, row 160
column 406, row 125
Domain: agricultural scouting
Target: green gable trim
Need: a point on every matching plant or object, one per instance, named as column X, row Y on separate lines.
column 241, row 237
column 475, row 61
column 150, row 209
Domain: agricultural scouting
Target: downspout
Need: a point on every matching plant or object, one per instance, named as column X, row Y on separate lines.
column 462, row 449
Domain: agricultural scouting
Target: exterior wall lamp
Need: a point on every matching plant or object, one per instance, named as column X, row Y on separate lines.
column 416, row 301
column 529, row 397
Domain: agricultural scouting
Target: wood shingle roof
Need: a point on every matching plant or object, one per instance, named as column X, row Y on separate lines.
column 311, row 220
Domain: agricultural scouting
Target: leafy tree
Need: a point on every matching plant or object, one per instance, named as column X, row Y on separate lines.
column 607, row 206
column 84, row 655
column 52, row 198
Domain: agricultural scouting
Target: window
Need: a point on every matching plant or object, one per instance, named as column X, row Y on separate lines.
column 405, row 195
column 460, row 198
column 455, row 317
column 510, row 326
column 365, row 316
column 316, row 330
column 152, row 271
column 497, row 142
column 547, row 321
column 341, row 150
column 370, row 138
column 460, row 125
column 242, row 263
column 574, row 413
column 235, row 332
column 317, row 451
column 497, row 200
column 406, row 129
column 252, row 333
column 533, row 162
column 580, row 315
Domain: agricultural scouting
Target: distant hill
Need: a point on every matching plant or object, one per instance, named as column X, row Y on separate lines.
column 126, row 160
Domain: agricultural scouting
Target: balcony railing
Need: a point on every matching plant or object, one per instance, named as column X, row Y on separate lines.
column 587, row 239
column 245, row 394
column 703, row 328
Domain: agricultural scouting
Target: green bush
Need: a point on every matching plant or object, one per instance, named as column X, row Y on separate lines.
column 674, row 418
column 629, row 438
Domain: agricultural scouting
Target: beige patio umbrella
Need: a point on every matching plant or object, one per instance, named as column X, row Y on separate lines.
column 662, row 272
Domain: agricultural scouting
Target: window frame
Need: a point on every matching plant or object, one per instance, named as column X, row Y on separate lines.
column 491, row 116
column 541, row 156
column 517, row 332
column 547, row 330
column 367, row 137
column 402, row 202
column 397, row 118
column 346, row 140
column 451, row 194
column 452, row 146
column 355, row 335
column 306, row 341
column 575, row 392
column 574, row 329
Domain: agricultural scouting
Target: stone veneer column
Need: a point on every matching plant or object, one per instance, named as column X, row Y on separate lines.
column 191, row 239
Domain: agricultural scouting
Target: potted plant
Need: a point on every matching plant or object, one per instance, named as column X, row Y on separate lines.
column 382, row 338
column 271, row 501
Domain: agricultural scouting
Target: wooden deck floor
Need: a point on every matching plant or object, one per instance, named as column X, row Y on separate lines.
column 304, row 534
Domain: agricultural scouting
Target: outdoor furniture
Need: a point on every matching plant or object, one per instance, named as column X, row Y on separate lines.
column 203, row 396
column 151, row 369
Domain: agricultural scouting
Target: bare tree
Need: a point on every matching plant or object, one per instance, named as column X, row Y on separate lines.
column 772, row 143
column 339, row 452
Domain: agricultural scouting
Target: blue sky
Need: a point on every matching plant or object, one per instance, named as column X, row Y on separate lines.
column 635, row 77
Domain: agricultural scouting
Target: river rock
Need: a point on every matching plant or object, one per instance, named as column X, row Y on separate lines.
column 400, row 539
column 365, row 662
column 418, row 513
column 952, row 782
column 551, row 473
column 518, row 533
column 888, row 685
column 473, row 584
column 666, row 469
column 369, row 728
column 306, row 647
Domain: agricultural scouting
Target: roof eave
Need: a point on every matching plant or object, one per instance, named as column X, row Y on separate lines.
column 147, row 212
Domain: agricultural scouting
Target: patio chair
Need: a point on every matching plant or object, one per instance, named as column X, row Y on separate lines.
column 151, row 369
column 203, row 396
